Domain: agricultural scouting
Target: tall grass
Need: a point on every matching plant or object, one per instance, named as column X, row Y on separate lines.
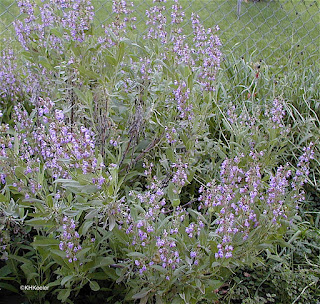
column 267, row 29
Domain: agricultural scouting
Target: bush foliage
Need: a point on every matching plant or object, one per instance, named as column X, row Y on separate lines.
column 129, row 172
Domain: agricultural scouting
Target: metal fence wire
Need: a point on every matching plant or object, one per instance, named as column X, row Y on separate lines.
column 277, row 32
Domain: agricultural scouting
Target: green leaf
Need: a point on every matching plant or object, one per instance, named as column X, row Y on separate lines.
column 63, row 294
column 94, row 286
column 273, row 257
column 159, row 300
column 82, row 253
column 136, row 255
column 170, row 154
column 111, row 60
column 48, row 266
column 191, row 175
column 54, row 283
column 86, row 225
column 159, row 268
column 120, row 52
column 67, row 182
column 173, row 195
column 215, row 264
column 29, row 271
column 59, row 253
column 98, row 276
column 19, row 259
column 265, row 246
column 32, row 202
column 87, row 73
column 175, row 202
column 184, row 138
column 3, row 198
column 197, row 215
column 9, row 287
column 40, row 222
column 80, row 95
column 111, row 273
column 76, row 187
column 66, row 279
column 112, row 222
column 49, row 200
column 200, row 286
column 141, row 294
column 76, row 49
column 19, row 172
column 45, row 62
column 120, row 235
column 190, row 81
column 27, row 55
column 44, row 241
column 179, row 270
column 4, row 271
column 56, row 32
column 103, row 261
column 16, row 144
column 214, row 284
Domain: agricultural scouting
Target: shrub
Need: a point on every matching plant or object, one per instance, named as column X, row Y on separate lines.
column 119, row 164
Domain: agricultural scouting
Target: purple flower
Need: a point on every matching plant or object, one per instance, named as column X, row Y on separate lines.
column 69, row 239
column 193, row 254
column 59, row 115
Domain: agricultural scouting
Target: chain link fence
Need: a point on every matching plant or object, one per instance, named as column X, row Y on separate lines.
column 276, row 32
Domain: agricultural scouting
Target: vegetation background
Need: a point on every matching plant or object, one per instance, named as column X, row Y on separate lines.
column 278, row 43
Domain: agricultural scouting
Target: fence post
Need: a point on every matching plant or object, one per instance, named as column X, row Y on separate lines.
column 239, row 8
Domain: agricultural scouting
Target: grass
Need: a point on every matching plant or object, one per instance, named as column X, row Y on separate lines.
column 267, row 29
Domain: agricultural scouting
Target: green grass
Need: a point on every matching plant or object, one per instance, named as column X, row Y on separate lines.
column 8, row 13
column 270, row 29
column 273, row 31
